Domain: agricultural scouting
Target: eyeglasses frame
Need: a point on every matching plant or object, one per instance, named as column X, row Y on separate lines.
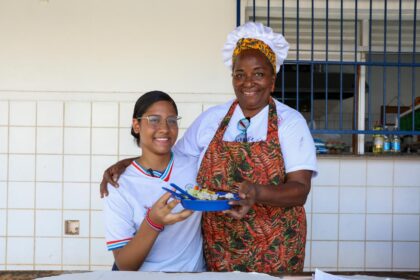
column 177, row 118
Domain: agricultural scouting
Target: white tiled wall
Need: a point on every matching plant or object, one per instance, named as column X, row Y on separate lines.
column 376, row 201
column 363, row 212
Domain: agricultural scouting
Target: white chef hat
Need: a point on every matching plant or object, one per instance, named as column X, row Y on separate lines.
column 254, row 35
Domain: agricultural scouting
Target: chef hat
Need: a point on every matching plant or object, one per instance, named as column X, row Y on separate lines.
column 254, row 35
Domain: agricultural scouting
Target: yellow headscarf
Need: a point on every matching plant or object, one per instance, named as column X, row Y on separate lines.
column 251, row 43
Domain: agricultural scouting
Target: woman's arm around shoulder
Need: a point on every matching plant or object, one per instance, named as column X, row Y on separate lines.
column 111, row 175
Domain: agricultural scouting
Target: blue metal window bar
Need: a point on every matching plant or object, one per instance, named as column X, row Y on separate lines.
column 364, row 117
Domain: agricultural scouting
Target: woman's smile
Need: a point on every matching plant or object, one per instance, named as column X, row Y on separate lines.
column 249, row 93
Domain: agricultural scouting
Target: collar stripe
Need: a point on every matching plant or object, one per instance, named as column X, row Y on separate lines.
column 163, row 176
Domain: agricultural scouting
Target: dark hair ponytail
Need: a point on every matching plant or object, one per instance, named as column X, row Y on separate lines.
column 147, row 100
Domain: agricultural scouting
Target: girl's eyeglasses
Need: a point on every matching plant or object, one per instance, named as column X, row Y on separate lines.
column 155, row 120
column 243, row 125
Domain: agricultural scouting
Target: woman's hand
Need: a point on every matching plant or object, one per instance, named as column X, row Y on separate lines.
column 248, row 194
column 112, row 174
column 293, row 192
column 161, row 211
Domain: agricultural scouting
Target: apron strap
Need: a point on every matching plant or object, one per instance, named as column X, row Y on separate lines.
column 272, row 124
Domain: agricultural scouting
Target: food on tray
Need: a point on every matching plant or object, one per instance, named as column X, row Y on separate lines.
column 205, row 194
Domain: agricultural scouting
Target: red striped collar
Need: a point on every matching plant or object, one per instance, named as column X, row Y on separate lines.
column 165, row 176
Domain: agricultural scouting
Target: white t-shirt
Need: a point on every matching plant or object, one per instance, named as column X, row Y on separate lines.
column 178, row 247
column 296, row 142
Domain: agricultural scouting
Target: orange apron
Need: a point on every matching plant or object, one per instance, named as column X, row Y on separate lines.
column 269, row 239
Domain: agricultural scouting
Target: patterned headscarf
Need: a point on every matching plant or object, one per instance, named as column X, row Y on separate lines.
column 251, row 43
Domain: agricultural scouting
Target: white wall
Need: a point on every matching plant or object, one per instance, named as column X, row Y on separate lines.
column 364, row 214
column 114, row 45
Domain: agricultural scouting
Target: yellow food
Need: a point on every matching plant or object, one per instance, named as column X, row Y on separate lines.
column 205, row 194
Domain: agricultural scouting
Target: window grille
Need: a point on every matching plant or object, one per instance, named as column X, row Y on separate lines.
column 352, row 65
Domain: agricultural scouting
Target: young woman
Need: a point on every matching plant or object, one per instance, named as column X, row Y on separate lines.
column 145, row 228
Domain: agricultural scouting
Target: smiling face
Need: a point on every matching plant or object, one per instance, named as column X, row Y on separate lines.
column 157, row 139
column 253, row 81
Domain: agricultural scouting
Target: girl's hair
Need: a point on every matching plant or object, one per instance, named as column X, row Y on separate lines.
column 144, row 103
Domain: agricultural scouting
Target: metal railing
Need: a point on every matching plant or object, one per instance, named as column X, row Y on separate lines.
column 371, row 42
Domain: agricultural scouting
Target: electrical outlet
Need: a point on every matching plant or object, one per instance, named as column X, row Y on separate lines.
column 72, row 227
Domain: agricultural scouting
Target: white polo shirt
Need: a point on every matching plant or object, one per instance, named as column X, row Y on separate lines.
column 296, row 142
column 179, row 247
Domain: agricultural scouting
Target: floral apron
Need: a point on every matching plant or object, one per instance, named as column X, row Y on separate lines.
column 268, row 239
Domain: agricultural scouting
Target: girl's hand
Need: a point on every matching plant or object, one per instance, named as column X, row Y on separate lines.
column 161, row 211
column 247, row 193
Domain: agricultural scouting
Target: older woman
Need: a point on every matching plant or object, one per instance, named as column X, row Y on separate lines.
column 260, row 148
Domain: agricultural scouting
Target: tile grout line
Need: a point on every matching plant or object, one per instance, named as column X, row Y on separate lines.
column 392, row 216
column 365, row 216
column 338, row 226
column 7, row 188
column 312, row 225
column 90, row 180
column 62, row 224
column 34, row 190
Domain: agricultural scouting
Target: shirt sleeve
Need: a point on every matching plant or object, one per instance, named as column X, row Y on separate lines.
column 297, row 145
column 119, row 225
column 198, row 136
column 191, row 143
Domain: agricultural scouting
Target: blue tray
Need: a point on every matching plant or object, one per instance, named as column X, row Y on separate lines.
column 207, row 205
